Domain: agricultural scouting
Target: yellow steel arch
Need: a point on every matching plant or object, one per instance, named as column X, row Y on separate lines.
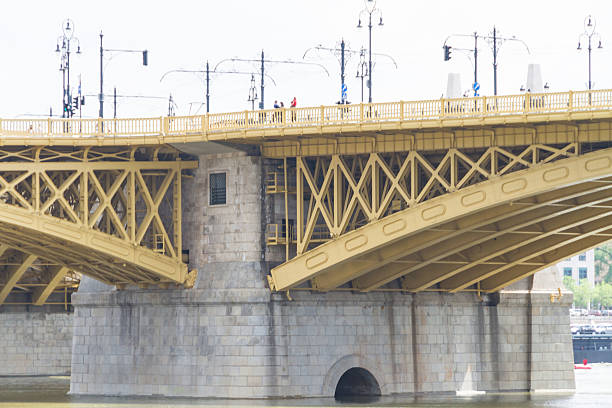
column 112, row 213
column 491, row 234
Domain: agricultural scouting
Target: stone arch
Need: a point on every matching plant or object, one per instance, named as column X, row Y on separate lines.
column 346, row 363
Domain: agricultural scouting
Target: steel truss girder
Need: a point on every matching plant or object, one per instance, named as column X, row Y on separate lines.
column 113, row 214
column 444, row 229
column 344, row 193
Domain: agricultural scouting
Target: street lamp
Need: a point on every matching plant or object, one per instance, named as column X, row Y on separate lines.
column 252, row 92
column 62, row 47
column 362, row 69
column 370, row 9
column 589, row 33
column 145, row 62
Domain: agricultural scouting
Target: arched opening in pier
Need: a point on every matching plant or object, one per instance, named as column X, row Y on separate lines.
column 357, row 382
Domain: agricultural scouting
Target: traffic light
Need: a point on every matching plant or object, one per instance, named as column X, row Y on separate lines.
column 447, row 52
column 145, row 57
column 75, row 103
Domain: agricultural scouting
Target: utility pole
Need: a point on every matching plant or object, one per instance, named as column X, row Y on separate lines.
column 101, row 94
column 475, row 86
column 370, row 9
column 262, row 61
column 496, row 43
column 208, row 73
column 261, row 101
column 207, row 88
column 342, row 85
column 494, row 61
column 145, row 62
column 115, row 103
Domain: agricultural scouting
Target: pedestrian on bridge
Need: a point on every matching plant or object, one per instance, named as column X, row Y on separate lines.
column 293, row 105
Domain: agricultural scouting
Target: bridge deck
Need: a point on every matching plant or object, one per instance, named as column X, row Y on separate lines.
column 257, row 127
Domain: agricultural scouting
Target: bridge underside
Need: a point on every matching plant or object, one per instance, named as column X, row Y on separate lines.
column 112, row 213
column 482, row 237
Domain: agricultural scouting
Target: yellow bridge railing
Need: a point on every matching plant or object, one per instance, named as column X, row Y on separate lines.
column 439, row 109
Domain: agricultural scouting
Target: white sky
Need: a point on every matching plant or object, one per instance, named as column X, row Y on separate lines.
column 183, row 34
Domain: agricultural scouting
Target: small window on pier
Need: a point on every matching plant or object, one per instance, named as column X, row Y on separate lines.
column 217, row 189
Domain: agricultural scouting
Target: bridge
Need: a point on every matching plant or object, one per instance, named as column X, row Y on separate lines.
column 448, row 194
column 324, row 247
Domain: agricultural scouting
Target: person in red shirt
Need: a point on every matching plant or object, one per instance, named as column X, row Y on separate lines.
column 293, row 105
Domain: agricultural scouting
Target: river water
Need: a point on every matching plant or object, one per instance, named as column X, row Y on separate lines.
column 593, row 389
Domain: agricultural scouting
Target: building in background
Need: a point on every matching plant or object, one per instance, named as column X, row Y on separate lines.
column 579, row 267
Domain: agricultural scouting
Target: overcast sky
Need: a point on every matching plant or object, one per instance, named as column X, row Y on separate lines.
column 184, row 34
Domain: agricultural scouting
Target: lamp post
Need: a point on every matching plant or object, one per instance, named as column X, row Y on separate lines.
column 589, row 33
column 370, row 9
column 252, row 92
column 63, row 48
column 362, row 69
column 145, row 62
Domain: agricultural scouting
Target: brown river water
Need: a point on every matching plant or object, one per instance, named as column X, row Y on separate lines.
column 593, row 389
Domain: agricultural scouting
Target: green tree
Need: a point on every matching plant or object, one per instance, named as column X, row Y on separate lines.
column 583, row 294
column 603, row 295
column 603, row 262
column 569, row 283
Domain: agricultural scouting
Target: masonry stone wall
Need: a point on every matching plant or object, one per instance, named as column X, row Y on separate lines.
column 210, row 343
column 35, row 342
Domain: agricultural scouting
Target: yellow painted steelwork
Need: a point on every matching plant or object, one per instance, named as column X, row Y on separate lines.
column 424, row 195
column 490, row 217
column 110, row 213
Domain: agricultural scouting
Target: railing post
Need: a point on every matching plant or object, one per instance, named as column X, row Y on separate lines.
column 570, row 102
column 361, row 112
column 322, row 113
column 100, row 129
column 484, row 105
column 442, row 107
column 527, row 106
column 246, row 119
column 1, row 127
column 401, row 111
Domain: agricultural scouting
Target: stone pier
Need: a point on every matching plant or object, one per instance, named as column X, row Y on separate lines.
column 35, row 340
column 230, row 337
